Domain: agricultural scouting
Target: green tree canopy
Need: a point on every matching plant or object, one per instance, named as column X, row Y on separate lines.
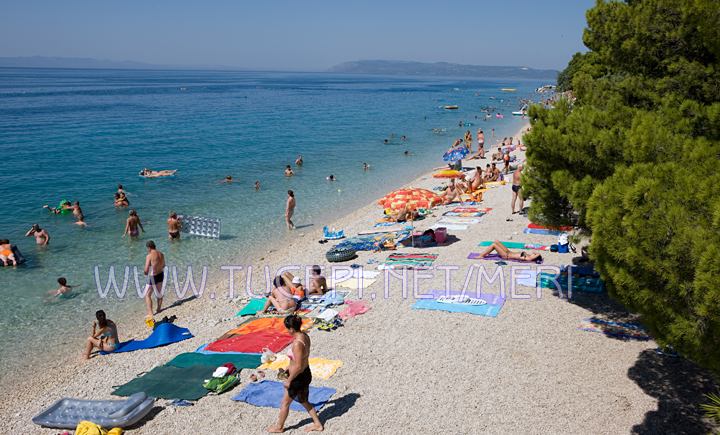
column 633, row 159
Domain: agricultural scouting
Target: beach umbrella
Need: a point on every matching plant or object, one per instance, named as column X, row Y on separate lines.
column 412, row 197
column 455, row 153
column 449, row 173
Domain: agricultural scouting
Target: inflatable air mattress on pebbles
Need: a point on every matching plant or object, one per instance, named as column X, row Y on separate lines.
column 67, row 413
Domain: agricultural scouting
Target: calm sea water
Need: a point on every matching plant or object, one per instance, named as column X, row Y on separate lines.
column 76, row 134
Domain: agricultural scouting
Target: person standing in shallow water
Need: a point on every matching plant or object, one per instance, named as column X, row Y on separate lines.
column 297, row 385
column 290, row 210
column 155, row 272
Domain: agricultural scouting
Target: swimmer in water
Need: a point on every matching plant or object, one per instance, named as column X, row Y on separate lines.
column 133, row 226
column 257, row 185
column 299, row 160
column 42, row 237
column 288, row 171
column 365, row 166
column 330, row 177
column 228, row 179
column 407, row 153
column 63, row 289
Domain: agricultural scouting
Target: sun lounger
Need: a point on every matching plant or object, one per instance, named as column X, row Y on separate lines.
column 67, row 413
column 270, row 393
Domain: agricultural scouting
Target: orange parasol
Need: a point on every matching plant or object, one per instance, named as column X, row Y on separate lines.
column 412, row 197
column 449, row 173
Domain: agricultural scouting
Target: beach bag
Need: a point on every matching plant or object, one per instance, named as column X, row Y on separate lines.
column 267, row 356
column 563, row 246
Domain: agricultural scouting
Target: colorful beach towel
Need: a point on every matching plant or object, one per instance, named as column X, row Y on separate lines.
column 496, row 257
column 373, row 242
column 491, row 308
column 625, row 331
column 518, row 245
column 270, row 393
column 162, row 335
column 354, row 308
column 252, row 307
column 320, row 367
column 169, row 382
column 459, row 220
column 584, row 284
column 240, row 360
column 408, row 261
column 253, row 342
column 467, row 212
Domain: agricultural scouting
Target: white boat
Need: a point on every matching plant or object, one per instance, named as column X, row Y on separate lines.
column 522, row 111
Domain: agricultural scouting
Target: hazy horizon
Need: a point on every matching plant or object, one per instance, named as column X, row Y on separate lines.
column 288, row 36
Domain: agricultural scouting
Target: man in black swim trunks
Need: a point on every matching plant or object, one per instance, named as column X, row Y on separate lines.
column 516, row 186
column 154, row 270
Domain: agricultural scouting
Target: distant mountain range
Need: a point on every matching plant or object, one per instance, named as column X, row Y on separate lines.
column 397, row 67
column 382, row 67
column 71, row 62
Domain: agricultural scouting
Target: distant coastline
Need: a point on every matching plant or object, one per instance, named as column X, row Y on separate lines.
column 373, row 67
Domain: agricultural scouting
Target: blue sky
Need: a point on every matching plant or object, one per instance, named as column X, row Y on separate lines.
column 296, row 35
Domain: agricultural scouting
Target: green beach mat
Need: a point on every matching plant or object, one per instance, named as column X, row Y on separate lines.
column 168, row 382
column 252, row 307
column 240, row 360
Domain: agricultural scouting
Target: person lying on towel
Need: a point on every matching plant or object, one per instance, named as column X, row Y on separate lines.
column 507, row 254
column 281, row 298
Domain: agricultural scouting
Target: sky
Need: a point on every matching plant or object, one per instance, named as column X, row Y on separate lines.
column 308, row 35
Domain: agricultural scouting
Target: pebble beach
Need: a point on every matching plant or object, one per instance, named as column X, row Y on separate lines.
column 528, row 370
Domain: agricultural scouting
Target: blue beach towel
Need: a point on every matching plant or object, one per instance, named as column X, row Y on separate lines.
column 492, row 308
column 270, row 393
column 164, row 334
column 542, row 232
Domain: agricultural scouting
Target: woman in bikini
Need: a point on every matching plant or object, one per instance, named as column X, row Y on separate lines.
column 507, row 254
column 280, row 297
column 105, row 338
column 133, row 225
column 297, row 385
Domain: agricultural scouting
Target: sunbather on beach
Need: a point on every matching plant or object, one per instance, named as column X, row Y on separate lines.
column 496, row 157
column 104, row 335
column 507, row 254
column 451, row 194
column 42, row 237
column 280, row 297
column 297, row 385
column 494, row 173
column 133, row 225
column 6, row 254
column 318, row 283
column 403, row 215
column 477, row 181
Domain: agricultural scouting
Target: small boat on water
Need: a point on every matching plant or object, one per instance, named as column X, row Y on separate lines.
column 522, row 112
column 508, row 89
column 451, row 107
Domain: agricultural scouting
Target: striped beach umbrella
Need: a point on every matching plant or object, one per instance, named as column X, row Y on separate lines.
column 412, row 197
column 449, row 173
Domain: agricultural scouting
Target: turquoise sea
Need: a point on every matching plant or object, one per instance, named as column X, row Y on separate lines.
column 76, row 134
